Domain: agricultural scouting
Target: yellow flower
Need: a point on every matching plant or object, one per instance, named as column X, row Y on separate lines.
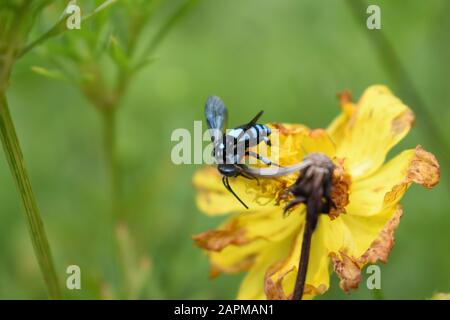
column 441, row 296
column 366, row 191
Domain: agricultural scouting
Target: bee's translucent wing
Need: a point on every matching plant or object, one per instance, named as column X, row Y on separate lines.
column 216, row 113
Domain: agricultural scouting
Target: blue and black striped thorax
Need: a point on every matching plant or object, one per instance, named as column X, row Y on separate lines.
column 236, row 141
column 252, row 136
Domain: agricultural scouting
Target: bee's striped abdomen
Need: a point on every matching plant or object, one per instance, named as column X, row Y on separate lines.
column 253, row 136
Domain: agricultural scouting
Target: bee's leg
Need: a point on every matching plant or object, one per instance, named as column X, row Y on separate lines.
column 261, row 158
column 267, row 141
column 242, row 168
column 247, row 176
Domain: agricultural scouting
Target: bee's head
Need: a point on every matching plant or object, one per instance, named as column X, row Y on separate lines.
column 227, row 170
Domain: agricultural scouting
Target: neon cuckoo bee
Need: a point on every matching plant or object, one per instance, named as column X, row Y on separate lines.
column 230, row 148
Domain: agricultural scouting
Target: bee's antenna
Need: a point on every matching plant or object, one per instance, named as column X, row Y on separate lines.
column 226, row 183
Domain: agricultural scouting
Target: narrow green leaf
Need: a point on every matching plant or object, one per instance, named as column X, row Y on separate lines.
column 60, row 27
column 117, row 53
column 53, row 74
column 38, row 236
column 182, row 10
column 99, row 9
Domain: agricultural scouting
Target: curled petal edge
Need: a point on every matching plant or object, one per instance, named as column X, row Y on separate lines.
column 216, row 240
column 349, row 268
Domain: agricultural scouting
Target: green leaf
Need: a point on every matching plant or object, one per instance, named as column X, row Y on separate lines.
column 99, row 9
column 171, row 22
column 36, row 229
column 118, row 54
column 60, row 27
column 53, row 74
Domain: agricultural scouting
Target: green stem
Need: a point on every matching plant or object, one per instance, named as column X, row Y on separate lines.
column 110, row 145
column 109, row 115
column 377, row 294
column 35, row 226
column 181, row 11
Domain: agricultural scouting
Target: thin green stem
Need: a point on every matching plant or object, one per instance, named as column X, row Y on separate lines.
column 109, row 111
column 35, row 226
column 55, row 30
column 169, row 24
column 377, row 294
column 110, row 146
column 109, row 116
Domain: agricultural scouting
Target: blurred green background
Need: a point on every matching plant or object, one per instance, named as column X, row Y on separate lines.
column 287, row 57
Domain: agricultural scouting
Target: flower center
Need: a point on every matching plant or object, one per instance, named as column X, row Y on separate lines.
column 314, row 185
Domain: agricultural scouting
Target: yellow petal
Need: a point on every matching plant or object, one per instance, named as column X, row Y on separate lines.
column 252, row 287
column 441, row 296
column 247, row 235
column 337, row 128
column 318, row 140
column 286, row 147
column 243, row 228
column 214, row 199
column 382, row 246
column 317, row 277
column 296, row 141
column 379, row 122
column 270, row 225
column 234, row 258
column 356, row 241
column 387, row 186
column 355, row 234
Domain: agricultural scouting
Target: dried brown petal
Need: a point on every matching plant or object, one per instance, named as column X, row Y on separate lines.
column 289, row 129
column 347, row 270
column 274, row 290
column 242, row 265
column 402, row 122
column 424, row 169
column 216, row 240
column 382, row 246
column 341, row 189
column 344, row 97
